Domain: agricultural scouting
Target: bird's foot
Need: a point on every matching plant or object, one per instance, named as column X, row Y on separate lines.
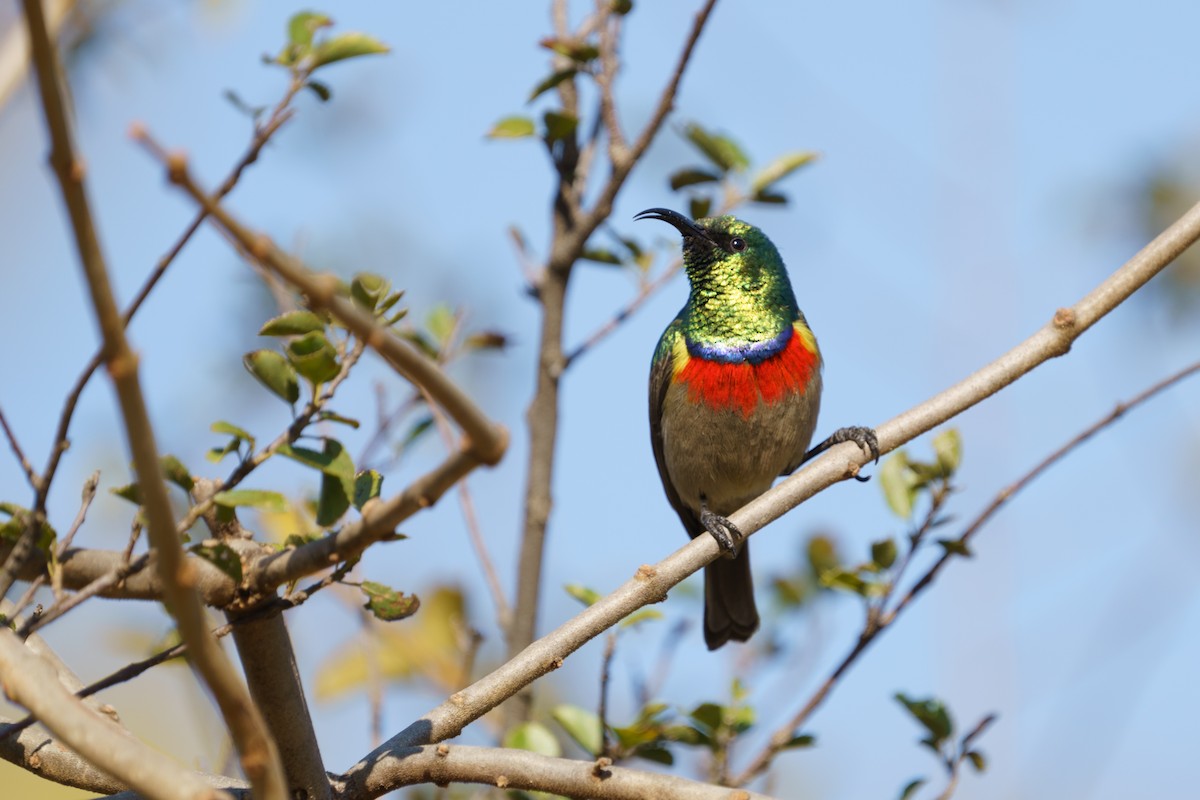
column 725, row 532
column 864, row 437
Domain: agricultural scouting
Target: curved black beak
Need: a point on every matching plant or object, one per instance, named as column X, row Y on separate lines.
column 676, row 220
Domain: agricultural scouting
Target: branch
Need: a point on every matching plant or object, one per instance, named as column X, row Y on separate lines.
column 780, row 738
column 258, row 757
column 32, row 682
column 651, row 583
column 519, row 769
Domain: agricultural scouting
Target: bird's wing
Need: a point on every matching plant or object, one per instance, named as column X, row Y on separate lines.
column 661, row 370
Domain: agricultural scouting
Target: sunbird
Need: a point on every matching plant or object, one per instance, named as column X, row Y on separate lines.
column 735, row 387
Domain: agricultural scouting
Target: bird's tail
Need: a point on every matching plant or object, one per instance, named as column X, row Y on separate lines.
column 729, row 611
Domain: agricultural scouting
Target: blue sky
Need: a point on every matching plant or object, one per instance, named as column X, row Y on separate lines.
column 968, row 150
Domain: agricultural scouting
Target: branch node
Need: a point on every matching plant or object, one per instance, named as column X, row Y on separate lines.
column 501, row 781
column 1064, row 318
column 600, row 768
column 556, row 663
column 458, row 699
column 122, row 366
column 77, row 171
column 443, row 750
column 177, row 167
column 260, row 248
column 645, row 572
column 137, row 131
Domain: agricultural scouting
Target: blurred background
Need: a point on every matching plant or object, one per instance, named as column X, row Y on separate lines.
column 982, row 164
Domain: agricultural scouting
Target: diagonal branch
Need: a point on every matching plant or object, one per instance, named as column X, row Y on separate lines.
column 259, row 758
column 651, row 583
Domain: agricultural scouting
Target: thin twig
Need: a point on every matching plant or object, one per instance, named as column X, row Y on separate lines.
column 15, row 446
column 645, row 292
column 784, row 734
column 610, row 650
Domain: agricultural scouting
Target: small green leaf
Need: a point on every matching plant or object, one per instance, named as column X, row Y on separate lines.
column 573, row 49
column 367, row 485
column 955, row 547
column 175, row 472
column 582, row 593
column 581, row 725
column 699, row 207
column 255, row 498
column 600, row 255
column 896, row 480
column 559, row 125
column 552, row 81
column 769, row 198
column 221, row 556
column 686, row 734
column 367, row 289
column 512, row 128
column 274, row 372
column 441, row 323
column 314, row 357
column 883, row 553
column 302, row 26
column 948, row 447
column 709, row 715
column 346, row 45
column 221, row 426
column 719, row 149
column 330, row 416
column 130, row 491
column 621, row 7
column 803, row 740
column 534, row 737
column 321, row 90
column 822, row 555
column 932, row 714
column 977, row 760
column 780, row 168
column 387, row 604
column 486, row 340
column 293, row 323
column 337, row 477
column 418, row 429
column 655, row 752
column 911, row 788
column 640, row 616
column 846, row 580
column 691, row 176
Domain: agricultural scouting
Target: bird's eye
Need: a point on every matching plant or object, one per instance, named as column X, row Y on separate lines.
column 737, row 244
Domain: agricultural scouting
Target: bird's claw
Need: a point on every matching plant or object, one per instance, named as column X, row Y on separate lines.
column 862, row 436
column 725, row 532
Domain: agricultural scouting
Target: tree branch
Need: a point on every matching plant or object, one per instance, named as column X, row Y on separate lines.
column 519, row 769
column 258, row 757
column 651, row 583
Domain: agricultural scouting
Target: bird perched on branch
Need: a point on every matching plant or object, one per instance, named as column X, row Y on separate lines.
column 735, row 386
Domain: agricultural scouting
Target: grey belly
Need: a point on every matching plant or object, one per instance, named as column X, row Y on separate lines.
column 730, row 459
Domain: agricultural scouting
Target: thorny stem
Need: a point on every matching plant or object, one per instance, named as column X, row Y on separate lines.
column 886, row 618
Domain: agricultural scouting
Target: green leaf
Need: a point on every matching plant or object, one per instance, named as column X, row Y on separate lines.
column 293, row 323
column 221, row 556
column 321, row 90
column 346, row 45
column 719, row 149
column 314, row 357
column 977, row 760
column 780, row 168
column 174, row 471
column 848, row 581
column 581, row 725
column 302, row 26
column 822, row 555
column 418, row 429
column 582, row 593
column 221, row 426
column 331, row 416
column 803, row 740
column 552, row 81
column 883, row 553
column 534, row 737
column 621, row 7
column 955, row 547
column 441, row 323
column 769, row 198
column 699, row 207
column 600, row 255
column 640, row 616
column 367, row 289
column 931, row 713
column 559, row 125
column 948, row 447
column 486, row 340
column 130, row 491
column 255, row 498
column 911, row 788
column 387, row 604
column 573, row 49
column 709, row 715
column 337, row 481
column 655, row 752
column 691, row 176
column 274, row 372
column 686, row 734
column 367, row 486
column 512, row 128
column 896, row 480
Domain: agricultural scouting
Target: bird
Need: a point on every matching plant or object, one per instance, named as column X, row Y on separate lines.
column 735, row 388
